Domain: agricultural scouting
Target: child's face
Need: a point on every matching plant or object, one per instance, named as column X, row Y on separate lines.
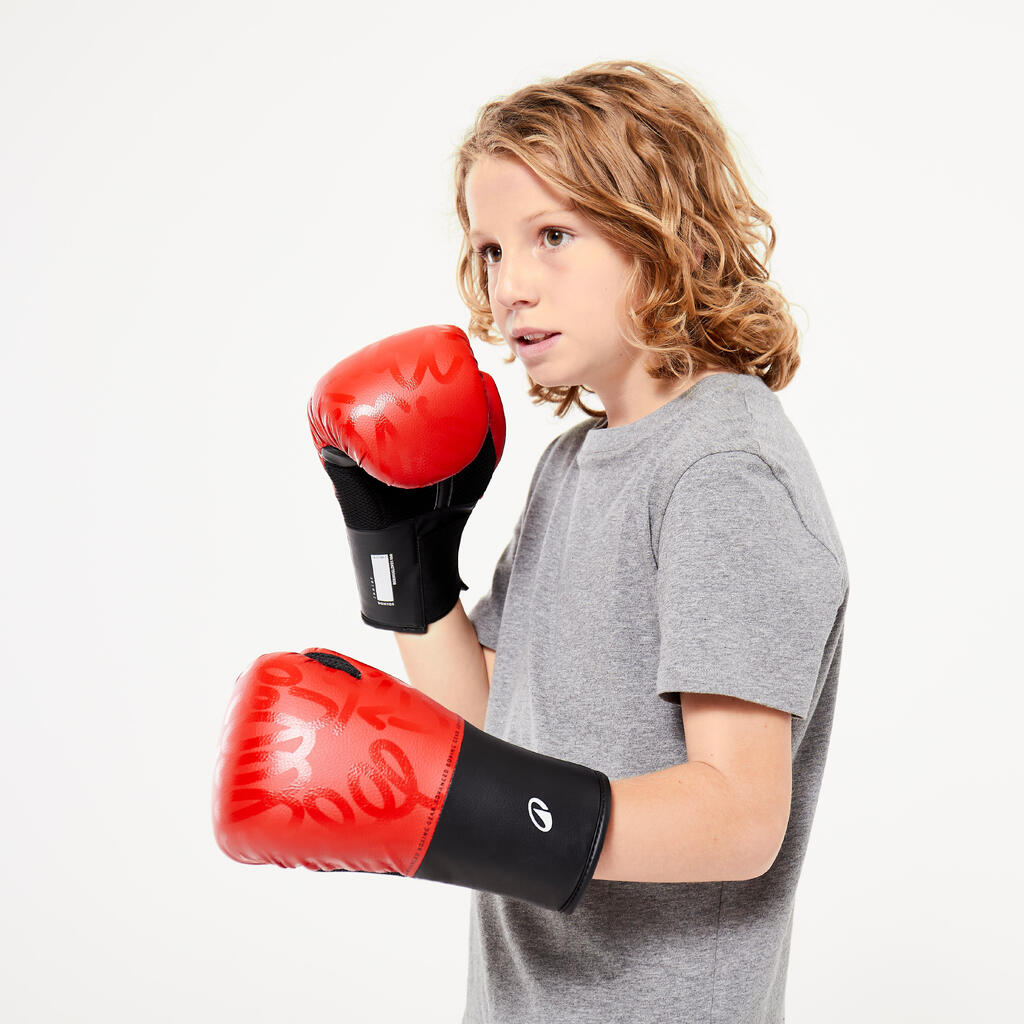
column 553, row 273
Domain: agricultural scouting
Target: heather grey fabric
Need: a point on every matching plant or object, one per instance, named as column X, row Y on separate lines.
column 690, row 551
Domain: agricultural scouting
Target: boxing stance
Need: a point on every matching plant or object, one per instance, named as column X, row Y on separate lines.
column 331, row 764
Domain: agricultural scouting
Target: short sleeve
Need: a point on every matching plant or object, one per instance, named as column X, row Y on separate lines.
column 746, row 594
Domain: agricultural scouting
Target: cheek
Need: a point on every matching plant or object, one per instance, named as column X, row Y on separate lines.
column 605, row 297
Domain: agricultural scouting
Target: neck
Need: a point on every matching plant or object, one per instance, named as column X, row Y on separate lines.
column 623, row 409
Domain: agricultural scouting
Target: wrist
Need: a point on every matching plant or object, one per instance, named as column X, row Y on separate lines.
column 519, row 823
column 408, row 574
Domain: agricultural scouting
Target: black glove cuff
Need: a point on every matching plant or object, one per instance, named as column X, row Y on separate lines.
column 519, row 823
column 408, row 574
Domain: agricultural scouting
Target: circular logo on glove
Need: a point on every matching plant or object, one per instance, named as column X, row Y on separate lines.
column 539, row 814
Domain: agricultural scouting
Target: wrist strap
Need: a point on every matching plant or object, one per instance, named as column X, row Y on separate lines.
column 408, row 574
column 519, row 823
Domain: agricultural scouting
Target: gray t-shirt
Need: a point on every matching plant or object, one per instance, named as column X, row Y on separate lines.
column 692, row 550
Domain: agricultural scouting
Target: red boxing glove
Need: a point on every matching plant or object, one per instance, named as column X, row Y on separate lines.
column 331, row 764
column 410, row 432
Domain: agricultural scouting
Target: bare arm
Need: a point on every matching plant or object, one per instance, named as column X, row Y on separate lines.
column 721, row 815
column 450, row 665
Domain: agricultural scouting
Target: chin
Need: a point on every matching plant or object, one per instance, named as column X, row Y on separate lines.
column 549, row 377
column 550, row 380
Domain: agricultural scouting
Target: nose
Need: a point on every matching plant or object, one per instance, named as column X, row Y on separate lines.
column 516, row 283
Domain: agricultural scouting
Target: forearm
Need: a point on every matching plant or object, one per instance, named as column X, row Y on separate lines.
column 447, row 664
column 686, row 823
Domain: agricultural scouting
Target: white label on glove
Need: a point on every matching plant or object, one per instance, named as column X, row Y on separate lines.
column 383, row 590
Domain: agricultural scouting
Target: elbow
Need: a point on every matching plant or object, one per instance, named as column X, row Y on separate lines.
column 764, row 849
column 767, row 824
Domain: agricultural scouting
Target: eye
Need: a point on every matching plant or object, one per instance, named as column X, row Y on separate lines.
column 482, row 253
column 555, row 231
column 485, row 249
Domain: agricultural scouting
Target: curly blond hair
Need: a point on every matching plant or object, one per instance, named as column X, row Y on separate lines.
column 640, row 153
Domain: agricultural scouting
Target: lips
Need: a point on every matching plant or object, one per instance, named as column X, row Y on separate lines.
column 535, row 350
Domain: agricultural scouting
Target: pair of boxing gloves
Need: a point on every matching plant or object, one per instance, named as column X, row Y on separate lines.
column 330, row 764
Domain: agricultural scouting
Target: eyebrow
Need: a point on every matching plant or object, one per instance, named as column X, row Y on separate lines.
column 545, row 213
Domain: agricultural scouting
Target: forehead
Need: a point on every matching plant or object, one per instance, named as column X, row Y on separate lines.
column 502, row 190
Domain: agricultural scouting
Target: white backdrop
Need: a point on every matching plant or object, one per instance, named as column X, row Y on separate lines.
column 206, row 204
